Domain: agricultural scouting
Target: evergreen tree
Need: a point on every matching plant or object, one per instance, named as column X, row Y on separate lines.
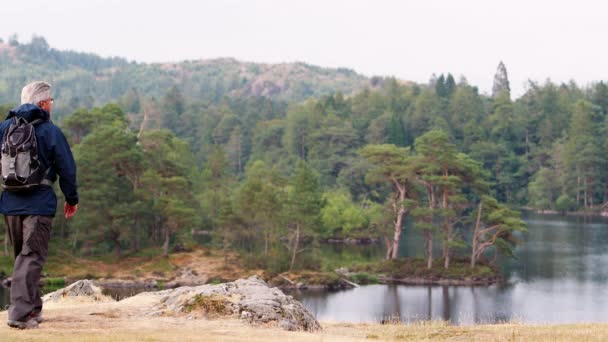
column 501, row 81
column 260, row 200
column 172, row 107
column 391, row 164
column 450, row 85
column 440, row 86
column 304, row 208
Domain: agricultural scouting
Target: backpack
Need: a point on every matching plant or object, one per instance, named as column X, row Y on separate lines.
column 20, row 167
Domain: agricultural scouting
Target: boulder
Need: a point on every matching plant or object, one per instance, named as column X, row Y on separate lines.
column 187, row 277
column 81, row 290
column 249, row 299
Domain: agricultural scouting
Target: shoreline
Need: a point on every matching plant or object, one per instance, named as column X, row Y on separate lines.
column 204, row 266
column 594, row 213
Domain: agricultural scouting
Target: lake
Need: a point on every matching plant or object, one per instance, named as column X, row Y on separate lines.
column 560, row 276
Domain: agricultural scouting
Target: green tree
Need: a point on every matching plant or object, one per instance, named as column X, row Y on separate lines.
column 390, row 164
column 172, row 107
column 341, row 215
column 584, row 158
column 259, row 201
column 109, row 162
column 501, row 81
column 494, row 226
column 167, row 185
column 304, row 208
column 543, row 189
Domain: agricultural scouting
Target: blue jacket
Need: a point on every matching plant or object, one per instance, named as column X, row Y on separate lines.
column 54, row 151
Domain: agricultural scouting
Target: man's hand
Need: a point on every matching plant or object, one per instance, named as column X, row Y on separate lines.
column 69, row 210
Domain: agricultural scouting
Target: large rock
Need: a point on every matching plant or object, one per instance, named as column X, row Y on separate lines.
column 83, row 290
column 248, row 299
column 187, row 277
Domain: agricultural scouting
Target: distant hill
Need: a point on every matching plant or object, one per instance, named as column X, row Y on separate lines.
column 84, row 79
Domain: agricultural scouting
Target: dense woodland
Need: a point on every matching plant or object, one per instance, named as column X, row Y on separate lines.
column 273, row 176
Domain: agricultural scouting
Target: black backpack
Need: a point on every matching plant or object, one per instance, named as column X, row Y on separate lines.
column 21, row 169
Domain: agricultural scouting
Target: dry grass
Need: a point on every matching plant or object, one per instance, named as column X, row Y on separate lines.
column 441, row 331
column 115, row 322
column 153, row 266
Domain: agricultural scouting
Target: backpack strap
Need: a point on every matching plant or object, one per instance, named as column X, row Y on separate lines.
column 37, row 121
column 45, row 180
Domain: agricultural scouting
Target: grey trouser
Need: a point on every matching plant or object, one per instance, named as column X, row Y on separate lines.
column 29, row 235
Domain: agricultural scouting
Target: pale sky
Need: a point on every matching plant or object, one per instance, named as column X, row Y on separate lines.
column 411, row 40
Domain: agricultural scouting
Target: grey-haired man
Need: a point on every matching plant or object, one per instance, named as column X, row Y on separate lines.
column 29, row 212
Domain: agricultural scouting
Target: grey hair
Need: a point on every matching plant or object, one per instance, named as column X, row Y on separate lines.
column 35, row 92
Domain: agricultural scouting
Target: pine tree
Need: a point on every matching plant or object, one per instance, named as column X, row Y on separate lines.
column 391, row 164
column 305, row 204
column 450, row 85
column 501, row 81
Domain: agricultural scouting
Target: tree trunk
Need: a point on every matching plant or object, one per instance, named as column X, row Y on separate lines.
column 389, row 247
column 117, row 249
column 135, row 236
column 585, row 193
column 590, row 192
column 144, row 123
column 578, row 190
column 476, row 237
column 166, row 243
column 446, row 248
column 296, row 245
column 446, row 231
column 397, row 234
column 428, row 235
column 399, row 211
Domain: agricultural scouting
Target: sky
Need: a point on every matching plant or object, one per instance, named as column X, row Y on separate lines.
column 411, row 40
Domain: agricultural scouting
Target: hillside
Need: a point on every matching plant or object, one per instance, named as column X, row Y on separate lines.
column 82, row 79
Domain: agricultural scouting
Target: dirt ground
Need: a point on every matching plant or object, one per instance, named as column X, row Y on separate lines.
column 203, row 261
column 123, row 321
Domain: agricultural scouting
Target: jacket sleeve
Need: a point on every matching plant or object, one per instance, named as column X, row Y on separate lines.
column 65, row 166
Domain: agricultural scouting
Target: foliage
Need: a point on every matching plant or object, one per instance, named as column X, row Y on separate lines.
column 256, row 159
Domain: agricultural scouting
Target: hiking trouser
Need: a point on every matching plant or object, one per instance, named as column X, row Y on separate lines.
column 29, row 235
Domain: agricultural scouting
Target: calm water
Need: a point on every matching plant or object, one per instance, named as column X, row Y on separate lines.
column 561, row 276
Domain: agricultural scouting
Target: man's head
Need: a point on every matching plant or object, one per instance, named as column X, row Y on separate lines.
column 39, row 94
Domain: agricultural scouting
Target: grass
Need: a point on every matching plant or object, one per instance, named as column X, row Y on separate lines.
column 209, row 305
column 56, row 282
column 441, row 331
column 114, row 328
column 6, row 264
column 158, row 264
column 149, row 263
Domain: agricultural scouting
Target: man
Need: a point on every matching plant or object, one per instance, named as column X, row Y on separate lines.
column 28, row 213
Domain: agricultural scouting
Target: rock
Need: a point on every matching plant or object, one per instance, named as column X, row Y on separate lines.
column 187, row 277
column 84, row 289
column 342, row 271
column 249, row 299
column 125, row 284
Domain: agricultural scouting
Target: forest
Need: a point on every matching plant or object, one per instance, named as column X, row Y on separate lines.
column 273, row 175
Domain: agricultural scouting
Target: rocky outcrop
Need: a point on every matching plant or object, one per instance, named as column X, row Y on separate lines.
column 82, row 290
column 187, row 277
column 248, row 299
column 251, row 300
